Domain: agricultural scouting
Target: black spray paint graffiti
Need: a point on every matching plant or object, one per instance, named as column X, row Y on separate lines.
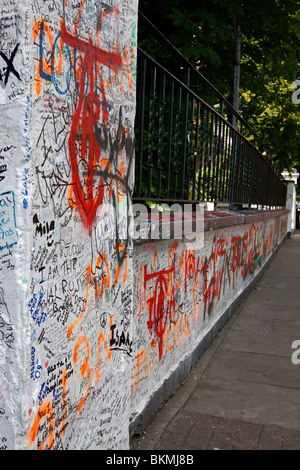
column 6, row 330
column 9, row 67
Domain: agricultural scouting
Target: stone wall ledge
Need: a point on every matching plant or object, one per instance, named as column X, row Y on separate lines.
column 160, row 226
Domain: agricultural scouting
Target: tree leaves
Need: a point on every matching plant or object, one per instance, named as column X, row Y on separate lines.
column 204, row 33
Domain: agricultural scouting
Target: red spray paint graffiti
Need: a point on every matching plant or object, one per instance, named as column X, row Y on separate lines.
column 161, row 306
column 87, row 188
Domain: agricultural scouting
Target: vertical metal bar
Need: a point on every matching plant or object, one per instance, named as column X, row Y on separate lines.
column 247, row 171
column 221, row 176
column 190, row 149
column 256, row 177
column 237, row 169
column 244, row 171
column 247, row 176
column 241, row 169
column 184, row 134
column 210, row 157
column 206, row 156
column 141, row 118
column 232, row 166
column 196, row 151
column 161, row 132
column 266, row 180
column 268, row 177
column 229, row 164
column 213, row 157
column 218, row 151
column 226, row 165
column 251, row 176
column 254, row 190
column 151, row 130
column 261, row 182
column 176, row 144
column 201, row 156
column 170, row 134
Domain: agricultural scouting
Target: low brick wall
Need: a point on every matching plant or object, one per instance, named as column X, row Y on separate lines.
column 185, row 291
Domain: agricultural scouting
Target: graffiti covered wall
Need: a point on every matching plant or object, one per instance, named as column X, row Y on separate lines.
column 181, row 290
column 67, row 100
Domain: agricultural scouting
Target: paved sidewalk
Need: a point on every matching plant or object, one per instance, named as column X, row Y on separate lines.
column 244, row 392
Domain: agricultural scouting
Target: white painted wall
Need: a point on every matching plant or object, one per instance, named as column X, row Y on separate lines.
column 181, row 291
column 67, row 105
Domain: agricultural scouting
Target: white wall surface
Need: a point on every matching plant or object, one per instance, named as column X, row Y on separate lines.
column 67, row 102
column 180, row 292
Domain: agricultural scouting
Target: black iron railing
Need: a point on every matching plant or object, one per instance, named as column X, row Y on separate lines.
column 188, row 150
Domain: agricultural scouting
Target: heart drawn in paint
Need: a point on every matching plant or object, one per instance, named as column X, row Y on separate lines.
column 85, row 152
column 87, row 185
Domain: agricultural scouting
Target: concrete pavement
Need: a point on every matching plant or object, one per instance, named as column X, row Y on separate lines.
column 244, row 392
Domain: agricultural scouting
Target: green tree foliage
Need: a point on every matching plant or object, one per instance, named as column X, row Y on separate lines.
column 204, row 32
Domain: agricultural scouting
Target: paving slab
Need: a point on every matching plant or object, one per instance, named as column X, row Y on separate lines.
column 248, row 401
column 257, row 368
column 265, row 339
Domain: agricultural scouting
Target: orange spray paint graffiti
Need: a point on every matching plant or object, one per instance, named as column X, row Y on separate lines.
column 82, row 349
column 85, row 368
column 88, row 186
column 180, row 288
column 45, row 410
